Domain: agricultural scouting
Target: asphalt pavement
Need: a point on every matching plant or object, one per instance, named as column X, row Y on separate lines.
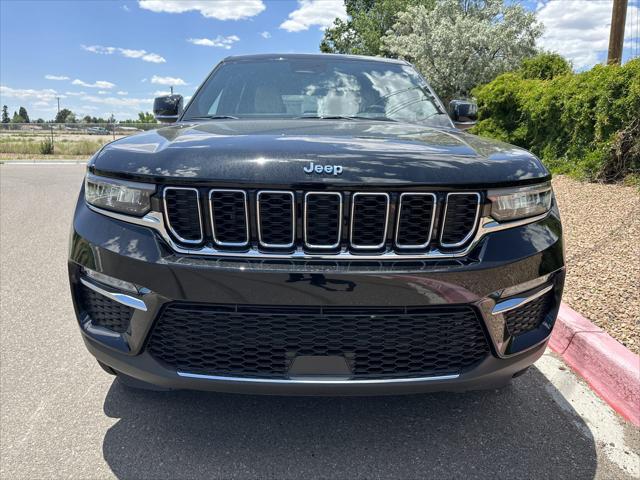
column 61, row 416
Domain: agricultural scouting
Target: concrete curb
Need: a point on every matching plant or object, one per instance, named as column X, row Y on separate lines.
column 611, row 369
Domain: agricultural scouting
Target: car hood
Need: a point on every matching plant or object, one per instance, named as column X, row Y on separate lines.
column 267, row 152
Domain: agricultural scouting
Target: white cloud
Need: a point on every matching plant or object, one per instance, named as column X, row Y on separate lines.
column 578, row 29
column 75, row 94
column 219, row 41
column 147, row 57
column 265, row 34
column 41, row 103
column 172, row 81
column 220, row 9
column 314, row 12
column 45, row 95
column 126, row 8
column 161, row 93
column 119, row 102
column 122, row 92
column 97, row 84
column 102, row 92
column 99, row 49
column 56, row 77
column 125, row 52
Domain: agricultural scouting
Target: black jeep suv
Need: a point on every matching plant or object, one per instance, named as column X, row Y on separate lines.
column 315, row 224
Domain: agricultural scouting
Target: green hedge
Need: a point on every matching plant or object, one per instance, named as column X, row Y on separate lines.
column 585, row 124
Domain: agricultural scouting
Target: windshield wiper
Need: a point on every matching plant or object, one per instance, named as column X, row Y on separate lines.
column 215, row 117
column 345, row 117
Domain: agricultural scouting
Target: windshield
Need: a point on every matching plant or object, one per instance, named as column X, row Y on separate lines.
column 293, row 88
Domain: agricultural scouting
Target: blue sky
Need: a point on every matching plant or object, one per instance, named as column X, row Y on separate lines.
column 103, row 57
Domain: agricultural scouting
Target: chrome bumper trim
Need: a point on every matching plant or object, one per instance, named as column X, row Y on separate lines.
column 154, row 220
column 127, row 300
column 516, row 302
column 314, row 381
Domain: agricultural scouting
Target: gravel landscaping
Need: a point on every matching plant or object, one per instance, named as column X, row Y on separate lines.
column 602, row 233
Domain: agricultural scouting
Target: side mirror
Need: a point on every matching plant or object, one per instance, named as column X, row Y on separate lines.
column 168, row 109
column 463, row 113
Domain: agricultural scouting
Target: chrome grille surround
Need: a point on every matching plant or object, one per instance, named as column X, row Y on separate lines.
column 432, row 221
column 213, row 221
column 386, row 220
column 339, row 219
column 444, row 220
column 166, row 211
column 293, row 219
column 157, row 221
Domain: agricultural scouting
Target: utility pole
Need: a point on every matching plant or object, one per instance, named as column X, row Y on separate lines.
column 171, row 90
column 58, row 98
column 616, row 36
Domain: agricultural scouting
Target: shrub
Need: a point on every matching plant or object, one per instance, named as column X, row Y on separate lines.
column 545, row 67
column 46, row 147
column 583, row 124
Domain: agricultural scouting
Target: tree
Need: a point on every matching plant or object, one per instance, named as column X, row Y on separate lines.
column 65, row 116
column 23, row 113
column 368, row 21
column 5, row 114
column 146, row 117
column 463, row 43
column 17, row 118
column 545, row 66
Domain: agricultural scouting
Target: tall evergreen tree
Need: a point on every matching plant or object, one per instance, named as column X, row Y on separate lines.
column 5, row 114
column 23, row 113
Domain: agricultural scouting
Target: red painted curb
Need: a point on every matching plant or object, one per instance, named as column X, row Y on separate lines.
column 610, row 369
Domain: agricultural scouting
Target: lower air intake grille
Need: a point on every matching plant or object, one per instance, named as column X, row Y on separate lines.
column 262, row 341
column 529, row 316
column 460, row 218
column 182, row 208
column 103, row 311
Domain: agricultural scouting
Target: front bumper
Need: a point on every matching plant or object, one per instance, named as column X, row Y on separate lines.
column 503, row 269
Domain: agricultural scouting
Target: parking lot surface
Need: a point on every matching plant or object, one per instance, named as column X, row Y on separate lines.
column 62, row 417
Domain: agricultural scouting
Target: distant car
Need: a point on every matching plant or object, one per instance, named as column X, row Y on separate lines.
column 97, row 131
column 315, row 224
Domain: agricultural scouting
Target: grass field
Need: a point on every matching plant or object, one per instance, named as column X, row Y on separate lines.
column 19, row 146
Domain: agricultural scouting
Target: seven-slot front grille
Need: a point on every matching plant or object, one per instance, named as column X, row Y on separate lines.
column 262, row 341
column 323, row 222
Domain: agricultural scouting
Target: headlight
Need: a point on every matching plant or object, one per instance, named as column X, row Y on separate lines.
column 118, row 195
column 514, row 203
